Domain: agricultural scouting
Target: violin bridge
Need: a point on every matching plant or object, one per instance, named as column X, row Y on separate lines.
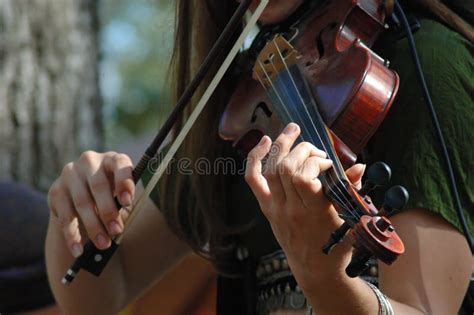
column 277, row 55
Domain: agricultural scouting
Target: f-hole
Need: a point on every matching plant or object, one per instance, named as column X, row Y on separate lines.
column 319, row 38
column 263, row 106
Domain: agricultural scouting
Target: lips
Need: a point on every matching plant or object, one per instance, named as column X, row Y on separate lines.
column 248, row 142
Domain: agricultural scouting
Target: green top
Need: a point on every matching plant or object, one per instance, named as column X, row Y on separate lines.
column 406, row 140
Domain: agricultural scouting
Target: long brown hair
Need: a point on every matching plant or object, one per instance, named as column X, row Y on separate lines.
column 194, row 205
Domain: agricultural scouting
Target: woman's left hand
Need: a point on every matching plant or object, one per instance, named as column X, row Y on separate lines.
column 291, row 197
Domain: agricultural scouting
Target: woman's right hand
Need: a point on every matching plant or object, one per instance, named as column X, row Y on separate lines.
column 82, row 198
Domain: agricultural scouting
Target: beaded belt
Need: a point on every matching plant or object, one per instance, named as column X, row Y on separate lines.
column 277, row 288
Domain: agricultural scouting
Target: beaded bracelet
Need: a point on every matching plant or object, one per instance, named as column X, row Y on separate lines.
column 384, row 303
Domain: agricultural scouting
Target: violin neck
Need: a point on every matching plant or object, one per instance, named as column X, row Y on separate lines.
column 293, row 101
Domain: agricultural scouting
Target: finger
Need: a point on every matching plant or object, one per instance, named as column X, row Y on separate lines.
column 55, row 192
column 279, row 149
column 101, row 190
column 60, row 203
column 355, row 173
column 85, row 207
column 282, row 146
column 306, row 181
column 306, row 149
column 121, row 167
column 292, row 163
column 253, row 172
column 103, row 196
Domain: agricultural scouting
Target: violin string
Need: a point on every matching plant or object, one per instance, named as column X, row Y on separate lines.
column 286, row 113
column 289, row 117
column 283, row 110
column 327, row 177
column 305, row 131
column 324, row 144
column 310, row 118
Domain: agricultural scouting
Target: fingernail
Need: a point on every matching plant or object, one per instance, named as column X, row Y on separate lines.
column 364, row 166
column 329, row 161
column 126, row 198
column 290, row 129
column 76, row 250
column 115, row 228
column 101, row 241
column 262, row 141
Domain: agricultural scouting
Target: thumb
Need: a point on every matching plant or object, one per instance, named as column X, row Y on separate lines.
column 355, row 173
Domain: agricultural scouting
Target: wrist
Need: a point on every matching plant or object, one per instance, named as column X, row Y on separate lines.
column 326, row 268
column 360, row 298
column 322, row 283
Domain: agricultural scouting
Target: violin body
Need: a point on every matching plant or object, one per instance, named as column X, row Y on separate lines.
column 353, row 87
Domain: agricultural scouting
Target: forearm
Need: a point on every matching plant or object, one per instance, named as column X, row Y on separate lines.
column 330, row 291
column 81, row 201
column 87, row 294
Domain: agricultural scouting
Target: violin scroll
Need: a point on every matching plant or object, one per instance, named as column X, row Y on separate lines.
column 378, row 175
column 373, row 234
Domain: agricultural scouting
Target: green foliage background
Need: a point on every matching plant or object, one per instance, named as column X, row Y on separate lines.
column 136, row 38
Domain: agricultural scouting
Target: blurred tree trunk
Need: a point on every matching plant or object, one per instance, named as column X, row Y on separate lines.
column 50, row 107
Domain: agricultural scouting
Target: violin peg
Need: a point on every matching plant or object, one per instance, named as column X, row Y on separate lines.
column 336, row 237
column 378, row 174
column 395, row 199
column 359, row 262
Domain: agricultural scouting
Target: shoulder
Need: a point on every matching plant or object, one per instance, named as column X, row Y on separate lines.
column 426, row 276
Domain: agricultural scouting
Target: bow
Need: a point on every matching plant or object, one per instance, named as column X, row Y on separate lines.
column 94, row 260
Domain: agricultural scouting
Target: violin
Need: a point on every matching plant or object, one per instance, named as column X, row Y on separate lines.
column 338, row 91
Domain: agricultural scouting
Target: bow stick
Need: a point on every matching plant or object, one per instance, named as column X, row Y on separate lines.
column 93, row 259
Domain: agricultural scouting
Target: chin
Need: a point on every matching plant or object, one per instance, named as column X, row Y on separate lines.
column 277, row 10
column 269, row 18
